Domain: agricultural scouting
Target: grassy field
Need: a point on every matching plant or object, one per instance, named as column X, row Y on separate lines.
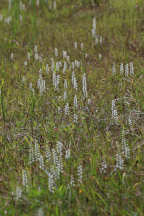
column 72, row 108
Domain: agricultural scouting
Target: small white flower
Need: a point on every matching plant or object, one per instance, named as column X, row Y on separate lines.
column 54, row 5
column 67, row 154
column 21, row 18
column 131, row 68
column 72, row 182
column 48, row 154
column 96, row 40
column 37, row 151
column 18, row 193
column 75, row 118
column 41, row 161
column 35, row 49
column 65, row 67
column 103, row 166
column 51, row 183
column 119, row 161
column 24, row 178
column 65, row 84
column 59, row 147
column 65, row 95
column 56, row 52
column 28, row 56
column 80, row 173
column 75, row 101
column 100, row 56
column 101, row 40
column 66, row 109
column 75, row 45
column 113, row 69
column 126, row 70
column 12, row 56
column 47, row 68
column 64, row 53
column 25, row 63
column 121, row 68
column 37, row 3
column 41, row 84
column 84, row 85
column 36, row 56
column 82, row 46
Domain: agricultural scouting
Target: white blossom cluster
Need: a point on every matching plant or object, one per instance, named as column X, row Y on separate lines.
column 125, row 146
column 18, row 193
column 127, row 69
column 80, row 174
column 114, row 112
column 94, row 27
column 24, row 179
column 119, row 161
column 74, row 81
column 41, row 84
column 103, row 166
column 84, row 86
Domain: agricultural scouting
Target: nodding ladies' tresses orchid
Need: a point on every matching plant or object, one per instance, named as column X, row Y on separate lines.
column 84, row 85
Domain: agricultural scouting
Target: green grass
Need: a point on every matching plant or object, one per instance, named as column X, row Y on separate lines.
column 34, row 121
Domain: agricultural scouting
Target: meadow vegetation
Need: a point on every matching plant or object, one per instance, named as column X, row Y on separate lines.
column 71, row 108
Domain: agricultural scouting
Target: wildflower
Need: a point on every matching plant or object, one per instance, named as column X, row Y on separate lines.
column 67, row 154
column 101, row 40
column 65, row 67
column 72, row 182
column 113, row 69
column 41, row 84
column 126, row 70
column 51, row 183
column 84, row 85
column 75, row 101
column 28, row 56
column 121, row 68
column 25, row 63
column 37, row 3
column 96, row 40
column 131, row 68
column 24, row 178
column 75, row 45
column 36, row 56
column 37, row 151
column 18, row 193
column 65, row 95
column 75, row 118
column 64, row 53
column 119, row 161
column 100, row 56
column 114, row 111
column 80, row 173
column 66, row 109
column 35, row 49
column 12, row 56
column 47, row 68
column 54, row 5
column 82, row 46
column 41, row 161
column 65, row 84
column 56, row 52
